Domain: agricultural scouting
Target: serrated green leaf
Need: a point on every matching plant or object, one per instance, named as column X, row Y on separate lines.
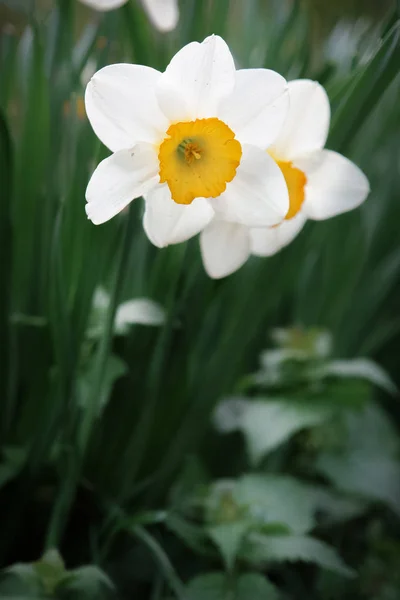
column 21, row 580
column 374, row 477
column 85, row 583
column 215, row 586
column 255, row 587
column 212, row 586
column 263, row 549
column 267, row 424
column 276, row 499
column 228, row 538
column 368, row 462
column 361, row 368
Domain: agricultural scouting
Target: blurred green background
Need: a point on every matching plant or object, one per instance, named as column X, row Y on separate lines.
column 211, row 456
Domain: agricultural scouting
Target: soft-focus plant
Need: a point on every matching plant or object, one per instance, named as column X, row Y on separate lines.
column 114, row 353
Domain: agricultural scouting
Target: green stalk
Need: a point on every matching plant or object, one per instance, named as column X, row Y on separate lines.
column 135, row 451
column 5, row 270
column 74, row 460
column 105, row 342
column 162, row 559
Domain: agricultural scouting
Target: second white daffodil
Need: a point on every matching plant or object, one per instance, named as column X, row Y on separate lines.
column 190, row 140
column 321, row 184
column 164, row 14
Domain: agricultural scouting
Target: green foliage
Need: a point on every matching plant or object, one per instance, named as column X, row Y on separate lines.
column 48, row 578
column 116, row 358
column 215, row 586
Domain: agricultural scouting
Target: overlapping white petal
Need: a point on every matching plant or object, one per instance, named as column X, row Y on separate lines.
column 257, row 107
column 307, row 123
column 225, row 247
column 266, row 241
column 196, row 80
column 258, row 195
column 122, row 107
column 166, row 222
column 118, row 179
column 103, row 5
column 164, row 14
column 334, row 185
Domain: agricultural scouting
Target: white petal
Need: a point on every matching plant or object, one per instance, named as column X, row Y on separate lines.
column 164, row 14
column 225, row 247
column 334, row 185
column 142, row 311
column 258, row 106
column 307, row 124
column 104, row 4
column 258, row 195
column 266, row 241
column 196, row 80
column 166, row 222
column 122, row 107
column 120, row 178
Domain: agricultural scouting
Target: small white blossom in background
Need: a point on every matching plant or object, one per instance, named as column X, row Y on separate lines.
column 164, row 14
column 191, row 141
column 321, row 184
column 139, row 311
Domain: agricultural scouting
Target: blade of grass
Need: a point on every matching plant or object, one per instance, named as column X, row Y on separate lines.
column 5, row 269
column 367, row 89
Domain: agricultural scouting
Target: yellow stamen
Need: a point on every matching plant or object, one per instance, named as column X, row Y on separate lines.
column 198, row 159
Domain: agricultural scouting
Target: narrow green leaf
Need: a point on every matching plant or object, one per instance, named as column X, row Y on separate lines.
column 30, row 168
column 367, row 89
column 6, row 164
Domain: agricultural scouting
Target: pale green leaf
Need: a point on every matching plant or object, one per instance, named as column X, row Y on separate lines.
column 267, row 424
column 263, row 549
column 254, row 586
column 367, row 464
column 361, row 368
column 215, row 586
column 228, row 538
column 86, row 583
column 375, row 477
column 277, row 499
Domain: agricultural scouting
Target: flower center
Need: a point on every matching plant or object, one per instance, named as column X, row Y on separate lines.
column 198, row 159
column 295, row 181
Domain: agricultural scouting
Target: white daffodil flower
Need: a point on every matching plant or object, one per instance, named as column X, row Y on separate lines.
column 164, row 14
column 191, row 141
column 321, row 184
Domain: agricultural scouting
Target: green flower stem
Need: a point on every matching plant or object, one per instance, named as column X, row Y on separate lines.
column 161, row 557
column 105, row 341
column 142, row 432
column 75, row 459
